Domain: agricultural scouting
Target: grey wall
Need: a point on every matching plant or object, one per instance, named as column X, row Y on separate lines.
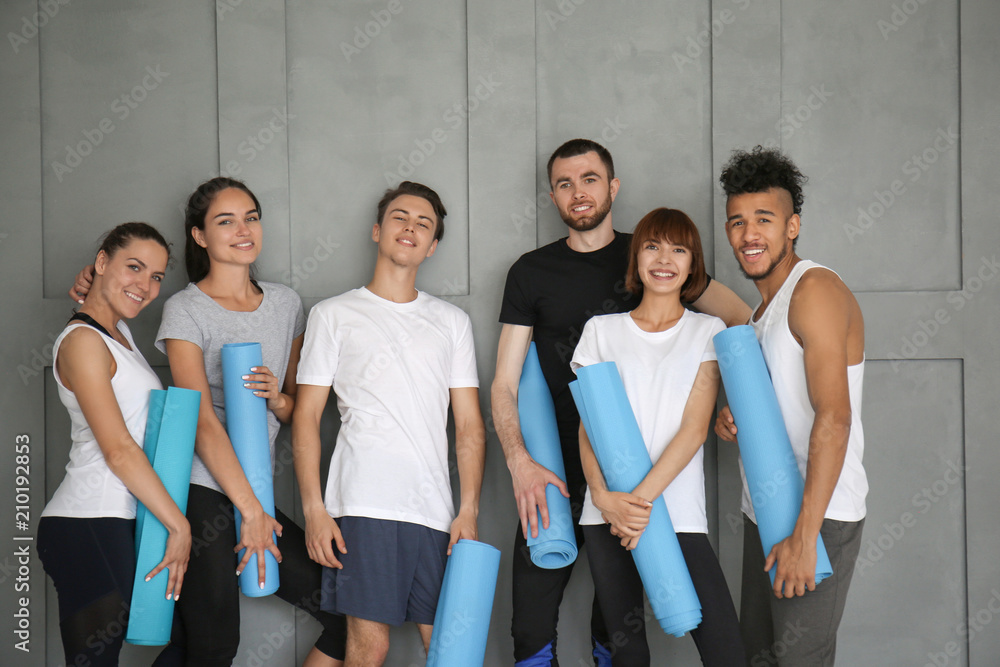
column 115, row 111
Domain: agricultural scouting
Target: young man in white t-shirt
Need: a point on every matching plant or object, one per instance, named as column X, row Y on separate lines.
column 395, row 357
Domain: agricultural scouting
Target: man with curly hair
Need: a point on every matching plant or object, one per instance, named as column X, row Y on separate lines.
column 811, row 331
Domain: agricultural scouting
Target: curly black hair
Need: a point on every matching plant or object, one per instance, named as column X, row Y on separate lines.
column 760, row 170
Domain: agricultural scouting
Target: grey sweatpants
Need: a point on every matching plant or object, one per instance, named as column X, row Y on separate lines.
column 799, row 631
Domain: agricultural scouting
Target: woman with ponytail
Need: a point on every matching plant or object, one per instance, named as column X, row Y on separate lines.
column 86, row 536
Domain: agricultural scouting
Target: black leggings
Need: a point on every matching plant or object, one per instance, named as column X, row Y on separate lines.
column 619, row 592
column 92, row 564
column 207, row 626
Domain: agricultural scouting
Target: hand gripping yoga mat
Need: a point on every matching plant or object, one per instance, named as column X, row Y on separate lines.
column 555, row 546
column 246, row 423
column 169, row 445
column 773, row 477
column 462, row 620
column 617, row 441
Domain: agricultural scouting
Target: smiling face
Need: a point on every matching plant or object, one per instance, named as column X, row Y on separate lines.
column 232, row 231
column 761, row 228
column 663, row 267
column 405, row 235
column 582, row 191
column 131, row 277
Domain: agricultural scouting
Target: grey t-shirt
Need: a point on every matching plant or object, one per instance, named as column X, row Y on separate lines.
column 194, row 316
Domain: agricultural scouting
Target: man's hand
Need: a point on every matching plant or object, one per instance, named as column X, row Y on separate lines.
column 725, row 425
column 530, row 481
column 463, row 528
column 321, row 534
column 795, row 558
column 81, row 284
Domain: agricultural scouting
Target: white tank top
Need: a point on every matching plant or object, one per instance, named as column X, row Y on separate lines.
column 89, row 488
column 784, row 358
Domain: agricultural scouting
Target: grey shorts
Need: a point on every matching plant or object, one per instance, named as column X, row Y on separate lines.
column 392, row 571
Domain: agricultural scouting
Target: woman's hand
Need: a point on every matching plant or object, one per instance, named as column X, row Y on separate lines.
column 627, row 513
column 175, row 559
column 265, row 384
column 257, row 536
column 82, row 283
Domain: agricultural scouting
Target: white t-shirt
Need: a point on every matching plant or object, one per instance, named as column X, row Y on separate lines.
column 391, row 366
column 786, row 365
column 90, row 489
column 658, row 371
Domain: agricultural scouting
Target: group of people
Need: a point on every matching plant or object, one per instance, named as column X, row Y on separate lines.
column 373, row 551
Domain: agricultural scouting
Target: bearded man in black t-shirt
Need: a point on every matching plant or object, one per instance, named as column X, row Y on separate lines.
column 550, row 294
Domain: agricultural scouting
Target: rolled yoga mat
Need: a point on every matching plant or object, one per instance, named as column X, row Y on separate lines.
column 462, row 620
column 621, row 452
column 246, row 423
column 169, row 445
column 773, row 477
column 555, row 546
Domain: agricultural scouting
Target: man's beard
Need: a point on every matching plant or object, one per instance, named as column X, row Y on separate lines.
column 769, row 270
column 590, row 222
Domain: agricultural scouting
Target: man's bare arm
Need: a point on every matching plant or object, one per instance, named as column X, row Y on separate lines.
column 722, row 302
column 825, row 318
column 528, row 477
column 322, row 532
column 470, row 456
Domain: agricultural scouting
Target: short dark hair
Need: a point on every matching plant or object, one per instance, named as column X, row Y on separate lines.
column 575, row 147
column 761, row 169
column 125, row 233
column 668, row 224
column 196, row 259
column 415, row 190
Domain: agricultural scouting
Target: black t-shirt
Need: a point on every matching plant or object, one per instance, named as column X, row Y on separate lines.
column 556, row 290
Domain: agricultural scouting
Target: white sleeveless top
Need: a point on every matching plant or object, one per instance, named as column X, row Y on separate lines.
column 784, row 357
column 90, row 489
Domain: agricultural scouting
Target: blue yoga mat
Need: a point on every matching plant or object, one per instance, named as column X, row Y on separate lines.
column 169, row 445
column 617, row 442
column 462, row 620
column 246, row 423
column 773, row 477
column 555, row 546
